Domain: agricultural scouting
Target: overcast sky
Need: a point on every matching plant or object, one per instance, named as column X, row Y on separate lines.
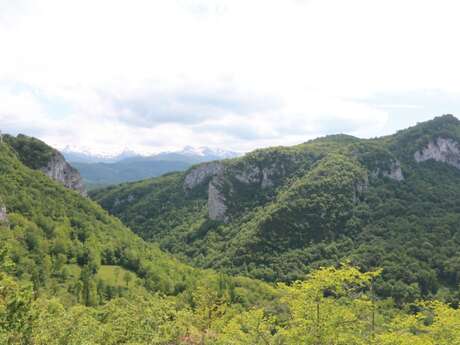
column 153, row 75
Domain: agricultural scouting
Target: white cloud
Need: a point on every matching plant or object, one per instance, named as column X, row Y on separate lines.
column 232, row 73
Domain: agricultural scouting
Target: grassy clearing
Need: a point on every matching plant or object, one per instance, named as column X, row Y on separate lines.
column 110, row 274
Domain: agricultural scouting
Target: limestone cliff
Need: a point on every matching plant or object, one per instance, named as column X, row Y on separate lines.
column 202, row 173
column 37, row 155
column 3, row 214
column 59, row 170
column 393, row 171
column 216, row 201
column 216, row 174
column 443, row 150
column 253, row 174
column 211, row 173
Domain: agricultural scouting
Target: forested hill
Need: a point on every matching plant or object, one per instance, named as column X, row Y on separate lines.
column 68, row 247
column 71, row 274
column 35, row 154
column 390, row 202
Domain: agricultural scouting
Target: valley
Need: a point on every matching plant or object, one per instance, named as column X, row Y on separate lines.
column 240, row 251
column 277, row 213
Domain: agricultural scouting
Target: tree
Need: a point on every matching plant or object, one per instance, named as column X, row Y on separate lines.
column 209, row 308
column 89, row 286
column 15, row 314
column 251, row 328
column 435, row 324
column 330, row 307
column 127, row 277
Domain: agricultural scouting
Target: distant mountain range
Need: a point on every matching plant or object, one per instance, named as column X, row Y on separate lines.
column 86, row 156
column 188, row 153
column 100, row 170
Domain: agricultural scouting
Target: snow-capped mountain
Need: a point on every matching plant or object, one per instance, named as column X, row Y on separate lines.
column 101, row 169
column 188, row 153
column 82, row 155
column 204, row 151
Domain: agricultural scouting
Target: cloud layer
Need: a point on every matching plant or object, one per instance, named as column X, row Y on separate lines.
column 156, row 75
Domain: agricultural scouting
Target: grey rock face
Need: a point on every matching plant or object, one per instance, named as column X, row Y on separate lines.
column 3, row 214
column 59, row 170
column 255, row 175
column 251, row 174
column 216, row 201
column 214, row 172
column 267, row 181
column 395, row 172
column 441, row 150
column 202, row 173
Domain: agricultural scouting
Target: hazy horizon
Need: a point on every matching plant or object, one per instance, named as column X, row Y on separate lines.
column 237, row 75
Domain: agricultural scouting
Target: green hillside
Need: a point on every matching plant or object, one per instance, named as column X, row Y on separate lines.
column 31, row 152
column 69, row 247
column 276, row 214
column 71, row 274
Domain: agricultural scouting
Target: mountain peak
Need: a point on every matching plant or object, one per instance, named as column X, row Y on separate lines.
column 445, row 126
column 440, row 122
column 37, row 155
column 202, row 153
column 207, row 151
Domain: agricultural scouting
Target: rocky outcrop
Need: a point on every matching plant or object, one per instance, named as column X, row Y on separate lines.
column 3, row 214
column 252, row 174
column 211, row 173
column 215, row 174
column 267, row 178
column 61, row 171
column 216, row 201
column 201, row 174
column 393, row 172
column 441, row 150
column 37, row 155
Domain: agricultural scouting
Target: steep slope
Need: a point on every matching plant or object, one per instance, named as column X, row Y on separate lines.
column 391, row 202
column 70, row 248
column 37, row 155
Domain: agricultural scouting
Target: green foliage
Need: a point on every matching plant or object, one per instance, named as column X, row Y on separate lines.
column 72, row 274
column 70, row 248
column 333, row 306
column 329, row 200
column 32, row 152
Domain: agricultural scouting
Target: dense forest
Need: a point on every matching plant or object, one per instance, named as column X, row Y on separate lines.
column 288, row 210
column 332, row 306
column 72, row 274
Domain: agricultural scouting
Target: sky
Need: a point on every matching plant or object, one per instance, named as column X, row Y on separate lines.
column 156, row 75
